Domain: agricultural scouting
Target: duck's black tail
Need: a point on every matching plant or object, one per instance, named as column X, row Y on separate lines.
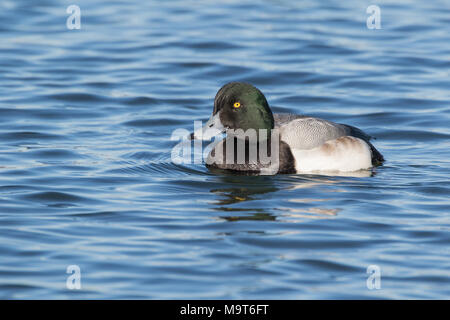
column 377, row 157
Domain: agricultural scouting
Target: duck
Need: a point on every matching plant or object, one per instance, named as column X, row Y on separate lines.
column 298, row 143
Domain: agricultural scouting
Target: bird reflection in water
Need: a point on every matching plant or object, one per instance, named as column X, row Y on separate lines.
column 240, row 191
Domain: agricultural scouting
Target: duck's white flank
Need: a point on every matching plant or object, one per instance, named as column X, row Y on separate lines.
column 344, row 154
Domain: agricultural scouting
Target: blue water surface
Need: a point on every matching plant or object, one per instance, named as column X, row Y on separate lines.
column 86, row 176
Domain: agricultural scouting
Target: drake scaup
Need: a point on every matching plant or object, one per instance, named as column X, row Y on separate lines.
column 305, row 144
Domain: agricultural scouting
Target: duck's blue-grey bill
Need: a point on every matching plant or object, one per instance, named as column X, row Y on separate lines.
column 212, row 128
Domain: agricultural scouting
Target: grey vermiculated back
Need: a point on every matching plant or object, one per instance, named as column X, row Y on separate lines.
column 303, row 132
column 283, row 118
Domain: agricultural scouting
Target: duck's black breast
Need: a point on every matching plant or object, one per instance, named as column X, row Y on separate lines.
column 249, row 163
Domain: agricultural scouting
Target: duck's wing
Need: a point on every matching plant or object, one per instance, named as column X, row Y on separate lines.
column 284, row 118
column 356, row 132
column 304, row 132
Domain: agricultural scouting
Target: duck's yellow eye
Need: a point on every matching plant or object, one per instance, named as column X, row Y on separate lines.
column 237, row 105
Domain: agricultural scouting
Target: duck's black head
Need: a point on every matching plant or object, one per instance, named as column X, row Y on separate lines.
column 239, row 105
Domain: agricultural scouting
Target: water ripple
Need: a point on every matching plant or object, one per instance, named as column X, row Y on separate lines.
column 86, row 175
